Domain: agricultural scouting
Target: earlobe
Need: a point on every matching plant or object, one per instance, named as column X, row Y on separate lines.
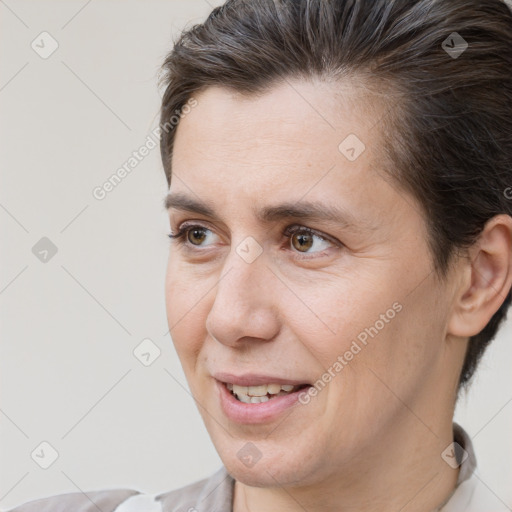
column 486, row 278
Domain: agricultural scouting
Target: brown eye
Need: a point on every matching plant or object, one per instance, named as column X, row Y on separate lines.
column 196, row 236
column 302, row 241
column 193, row 235
column 307, row 241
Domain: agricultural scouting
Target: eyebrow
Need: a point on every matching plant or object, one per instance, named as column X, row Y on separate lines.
column 306, row 210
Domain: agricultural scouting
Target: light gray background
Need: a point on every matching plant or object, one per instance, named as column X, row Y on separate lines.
column 69, row 326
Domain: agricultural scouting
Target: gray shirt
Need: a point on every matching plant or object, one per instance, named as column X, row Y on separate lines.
column 215, row 493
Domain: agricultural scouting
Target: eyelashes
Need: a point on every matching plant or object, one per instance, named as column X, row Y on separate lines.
column 181, row 237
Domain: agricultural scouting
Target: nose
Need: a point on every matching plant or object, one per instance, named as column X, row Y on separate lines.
column 245, row 306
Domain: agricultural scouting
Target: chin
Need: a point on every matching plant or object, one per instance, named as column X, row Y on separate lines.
column 266, row 473
column 287, row 464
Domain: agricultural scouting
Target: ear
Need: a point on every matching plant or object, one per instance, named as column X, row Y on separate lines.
column 486, row 278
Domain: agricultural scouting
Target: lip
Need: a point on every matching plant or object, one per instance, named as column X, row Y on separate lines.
column 255, row 379
column 266, row 412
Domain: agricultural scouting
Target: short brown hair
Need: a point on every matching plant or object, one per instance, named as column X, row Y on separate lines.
column 452, row 136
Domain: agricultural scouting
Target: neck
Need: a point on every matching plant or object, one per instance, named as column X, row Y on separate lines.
column 403, row 471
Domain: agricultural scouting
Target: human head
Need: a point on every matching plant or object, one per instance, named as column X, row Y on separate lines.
column 277, row 86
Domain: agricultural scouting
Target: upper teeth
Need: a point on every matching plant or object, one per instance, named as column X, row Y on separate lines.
column 258, row 394
column 260, row 390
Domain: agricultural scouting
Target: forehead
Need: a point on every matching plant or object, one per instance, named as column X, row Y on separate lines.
column 291, row 109
column 290, row 141
column 295, row 124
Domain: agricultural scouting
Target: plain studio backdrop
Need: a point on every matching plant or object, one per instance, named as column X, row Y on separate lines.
column 82, row 277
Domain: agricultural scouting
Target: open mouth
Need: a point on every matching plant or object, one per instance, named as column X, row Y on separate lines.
column 263, row 392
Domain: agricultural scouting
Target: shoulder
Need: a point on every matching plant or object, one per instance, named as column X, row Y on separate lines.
column 212, row 493
column 106, row 501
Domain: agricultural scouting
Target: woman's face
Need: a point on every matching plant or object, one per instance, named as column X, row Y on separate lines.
column 301, row 264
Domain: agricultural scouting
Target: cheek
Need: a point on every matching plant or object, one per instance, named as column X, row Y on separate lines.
column 185, row 290
column 365, row 328
column 337, row 311
column 187, row 308
column 400, row 354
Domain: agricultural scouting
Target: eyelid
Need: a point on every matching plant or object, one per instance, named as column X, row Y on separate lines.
column 181, row 232
column 297, row 228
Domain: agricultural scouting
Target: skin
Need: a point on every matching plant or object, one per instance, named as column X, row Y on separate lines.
column 372, row 438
